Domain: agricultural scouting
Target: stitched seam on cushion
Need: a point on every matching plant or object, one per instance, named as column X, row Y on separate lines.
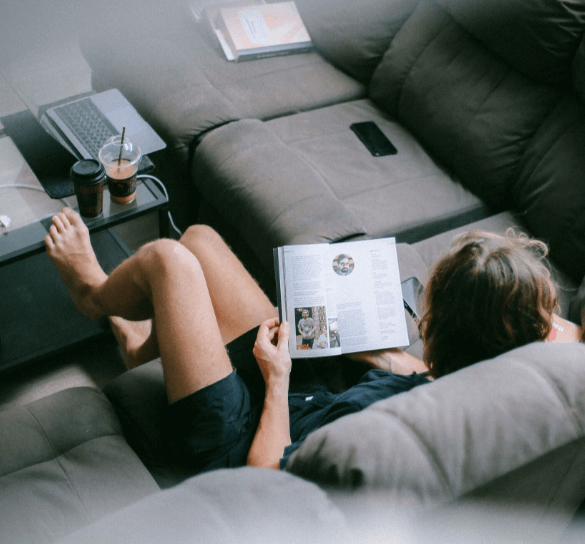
column 292, row 150
column 559, row 394
column 424, row 447
column 546, row 154
column 578, row 457
column 55, row 456
column 402, row 182
column 56, row 459
column 43, row 431
column 340, row 202
column 325, row 183
column 300, row 66
column 416, row 62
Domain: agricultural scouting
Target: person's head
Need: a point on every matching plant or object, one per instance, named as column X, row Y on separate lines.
column 305, row 314
column 343, row 264
column 488, row 295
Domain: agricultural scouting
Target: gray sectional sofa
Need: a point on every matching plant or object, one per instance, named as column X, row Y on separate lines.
column 485, row 102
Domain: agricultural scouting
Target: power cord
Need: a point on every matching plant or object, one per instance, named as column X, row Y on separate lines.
column 5, row 220
column 178, row 232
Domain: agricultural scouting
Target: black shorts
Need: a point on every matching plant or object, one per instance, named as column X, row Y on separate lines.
column 215, row 426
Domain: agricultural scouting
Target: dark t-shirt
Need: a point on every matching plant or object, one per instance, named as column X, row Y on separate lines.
column 311, row 410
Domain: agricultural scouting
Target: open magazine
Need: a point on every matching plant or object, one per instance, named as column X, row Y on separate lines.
column 340, row 298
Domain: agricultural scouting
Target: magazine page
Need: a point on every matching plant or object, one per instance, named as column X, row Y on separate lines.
column 307, row 299
column 370, row 310
column 212, row 10
column 256, row 31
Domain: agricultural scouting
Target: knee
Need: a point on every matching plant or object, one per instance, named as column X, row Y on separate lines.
column 167, row 256
column 200, row 235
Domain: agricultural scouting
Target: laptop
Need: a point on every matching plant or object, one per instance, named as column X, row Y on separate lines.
column 50, row 146
column 82, row 126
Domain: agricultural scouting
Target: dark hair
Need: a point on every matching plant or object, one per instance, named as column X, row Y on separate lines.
column 488, row 295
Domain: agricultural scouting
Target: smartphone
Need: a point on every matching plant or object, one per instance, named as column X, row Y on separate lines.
column 373, row 138
column 411, row 294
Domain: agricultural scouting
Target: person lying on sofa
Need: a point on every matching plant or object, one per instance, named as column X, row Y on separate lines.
column 193, row 303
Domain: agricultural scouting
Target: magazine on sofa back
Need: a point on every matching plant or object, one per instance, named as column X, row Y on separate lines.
column 252, row 29
column 340, row 298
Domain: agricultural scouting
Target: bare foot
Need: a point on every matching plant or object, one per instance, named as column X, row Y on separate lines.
column 136, row 339
column 69, row 248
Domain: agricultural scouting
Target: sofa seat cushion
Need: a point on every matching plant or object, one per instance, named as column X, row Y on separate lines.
column 307, row 178
column 183, row 85
column 432, row 248
column 472, row 109
column 64, row 463
column 239, row 505
column 510, row 429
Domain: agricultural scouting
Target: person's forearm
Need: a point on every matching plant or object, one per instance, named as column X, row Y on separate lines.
column 396, row 361
column 273, row 433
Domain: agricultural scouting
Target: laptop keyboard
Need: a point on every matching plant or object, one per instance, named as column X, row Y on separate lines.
column 88, row 123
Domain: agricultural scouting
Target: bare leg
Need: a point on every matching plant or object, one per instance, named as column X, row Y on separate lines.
column 163, row 280
column 238, row 301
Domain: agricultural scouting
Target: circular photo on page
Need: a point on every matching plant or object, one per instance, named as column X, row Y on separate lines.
column 343, row 264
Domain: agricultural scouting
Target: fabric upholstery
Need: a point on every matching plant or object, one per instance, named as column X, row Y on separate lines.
column 237, row 160
column 246, row 505
column 464, row 432
column 521, row 32
column 307, row 178
column 183, row 85
column 354, row 35
column 140, row 400
column 549, row 191
column 63, row 464
column 578, row 71
column 471, row 109
column 432, row 248
column 577, row 309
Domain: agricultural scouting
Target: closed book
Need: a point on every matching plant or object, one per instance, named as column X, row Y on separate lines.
column 265, row 30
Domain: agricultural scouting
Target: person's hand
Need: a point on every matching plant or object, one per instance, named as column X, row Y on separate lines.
column 272, row 356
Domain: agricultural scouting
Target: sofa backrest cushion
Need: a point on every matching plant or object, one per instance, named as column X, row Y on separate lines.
column 579, row 70
column 462, row 433
column 354, row 35
column 537, row 37
column 471, row 109
column 549, row 192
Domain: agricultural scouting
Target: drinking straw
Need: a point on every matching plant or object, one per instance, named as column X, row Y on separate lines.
column 121, row 145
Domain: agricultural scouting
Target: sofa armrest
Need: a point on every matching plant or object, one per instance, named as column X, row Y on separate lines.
column 509, row 430
column 232, row 505
column 64, row 463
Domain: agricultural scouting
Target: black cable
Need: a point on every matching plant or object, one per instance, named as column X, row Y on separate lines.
column 164, row 190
